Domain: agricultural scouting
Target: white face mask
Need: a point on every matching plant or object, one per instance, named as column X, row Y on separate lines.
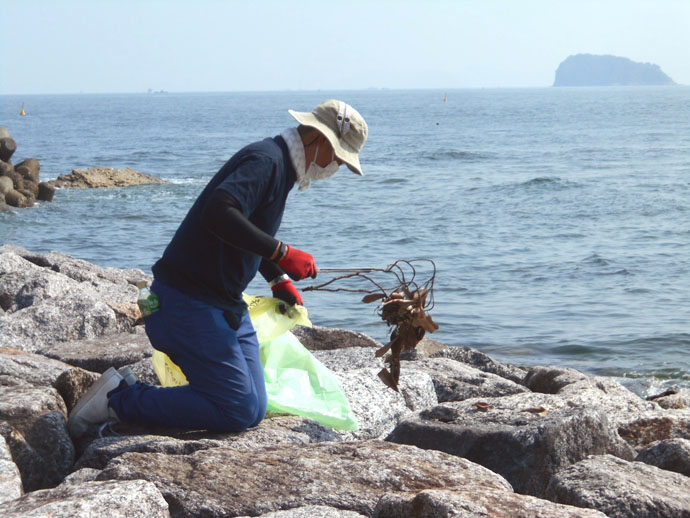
column 317, row 172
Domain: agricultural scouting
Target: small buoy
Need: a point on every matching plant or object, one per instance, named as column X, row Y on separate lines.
column 23, row 112
column 445, row 98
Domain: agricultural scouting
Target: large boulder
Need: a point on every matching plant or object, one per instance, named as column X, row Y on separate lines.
column 103, row 177
column 29, row 169
column 642, row 429
column 481, row 361
column 671, row 455
column 112, row 499
column 33, row 423
column 6, row 184
column 327, row 338
column 273, row 431
column 349, row 476
column 10, row 479
column 455, row 381
column 525, row 437
column 622, row 489
column 7, row 148
column 379, row 409
column 470, row 503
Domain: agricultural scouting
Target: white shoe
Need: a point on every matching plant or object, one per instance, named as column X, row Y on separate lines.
column 128, row 375
column 92, row 407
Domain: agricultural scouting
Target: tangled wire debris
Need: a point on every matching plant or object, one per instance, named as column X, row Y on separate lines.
column 405, row 307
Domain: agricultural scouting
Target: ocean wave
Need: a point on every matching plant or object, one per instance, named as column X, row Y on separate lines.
column 454, row 155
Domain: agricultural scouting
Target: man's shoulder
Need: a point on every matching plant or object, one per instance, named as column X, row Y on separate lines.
column 266, row 148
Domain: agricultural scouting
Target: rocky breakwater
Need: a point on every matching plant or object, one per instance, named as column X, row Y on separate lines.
column 20, row 186
column 466, row 436
column 101, row 177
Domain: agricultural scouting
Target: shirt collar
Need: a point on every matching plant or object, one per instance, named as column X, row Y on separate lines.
column 296, row 149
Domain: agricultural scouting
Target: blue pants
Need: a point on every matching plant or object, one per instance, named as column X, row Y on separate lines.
column 226, row 391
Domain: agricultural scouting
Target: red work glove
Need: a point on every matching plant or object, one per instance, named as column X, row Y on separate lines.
column 286, row 291
column 298, row 264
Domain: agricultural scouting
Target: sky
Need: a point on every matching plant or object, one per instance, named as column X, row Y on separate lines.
column 103, row 46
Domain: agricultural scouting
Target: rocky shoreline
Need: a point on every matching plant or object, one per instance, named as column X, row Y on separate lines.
column 467, row 436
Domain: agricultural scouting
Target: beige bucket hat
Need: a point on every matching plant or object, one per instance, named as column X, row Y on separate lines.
column 342, row 125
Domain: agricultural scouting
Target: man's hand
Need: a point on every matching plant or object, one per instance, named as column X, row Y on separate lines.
column 286, row 291
column 298, row 264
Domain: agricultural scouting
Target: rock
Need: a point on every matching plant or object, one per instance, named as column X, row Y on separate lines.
column 73, row 383
column 35, row 369
column 10, row 479
column 620, row 404
column 455, row 381
column 426, row 348
column 550, row 379
column 671, row 455
column 483, row 362
column 4, row 132
column 351, row 358
column 17, row 180
column 29, row 195
column 80, row 476
column 32, row 421
column 677, row 400
column 378, row 409
column 273, row 431
column 98, row 354
column 6, row 184
column 45, row 192
column 524, row 437
column 7, row 148
column 349, row 476
column 311, row 511
column 622, row 489
column 16, row 199
column 32, row 187
column 30, row 169
column 6, row 168
column 112, row 499
column 655, row 425
column 327, row 338
column 103, row 177
column 51, row 298
column 464, row 503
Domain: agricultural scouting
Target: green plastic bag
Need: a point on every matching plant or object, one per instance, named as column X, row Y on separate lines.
column 296, row 382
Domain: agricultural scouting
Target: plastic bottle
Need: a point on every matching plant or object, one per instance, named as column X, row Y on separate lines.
column 147, row 300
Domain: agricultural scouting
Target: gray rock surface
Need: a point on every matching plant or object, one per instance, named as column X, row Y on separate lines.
column 311, row 511
column 455, row 381
column 671, row 455
column 34, row 369
column 98, row 354
column 488, row 503
column 134, row 498
column 483, row 362
column 644, row 428
column 10, row 479
column 348, row 476
column 282, row 430
column 524, row 437
column 327, row 338
column 622, row 489
column 378, row 408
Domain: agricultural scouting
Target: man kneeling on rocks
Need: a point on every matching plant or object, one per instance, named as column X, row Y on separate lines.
column 228, row 235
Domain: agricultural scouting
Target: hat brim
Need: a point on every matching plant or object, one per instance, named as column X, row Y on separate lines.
column 350, row 157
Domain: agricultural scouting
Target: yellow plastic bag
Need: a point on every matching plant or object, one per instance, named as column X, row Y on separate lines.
column 296, row 382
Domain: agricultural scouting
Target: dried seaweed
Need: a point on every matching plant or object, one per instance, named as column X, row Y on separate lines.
column 404, row 307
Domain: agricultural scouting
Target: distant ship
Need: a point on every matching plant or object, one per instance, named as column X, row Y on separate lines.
column 23, row 112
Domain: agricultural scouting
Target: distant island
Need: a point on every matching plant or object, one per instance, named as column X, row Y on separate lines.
column 591, row 70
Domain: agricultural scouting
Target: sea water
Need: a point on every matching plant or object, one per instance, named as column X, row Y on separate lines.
column 558, row 218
